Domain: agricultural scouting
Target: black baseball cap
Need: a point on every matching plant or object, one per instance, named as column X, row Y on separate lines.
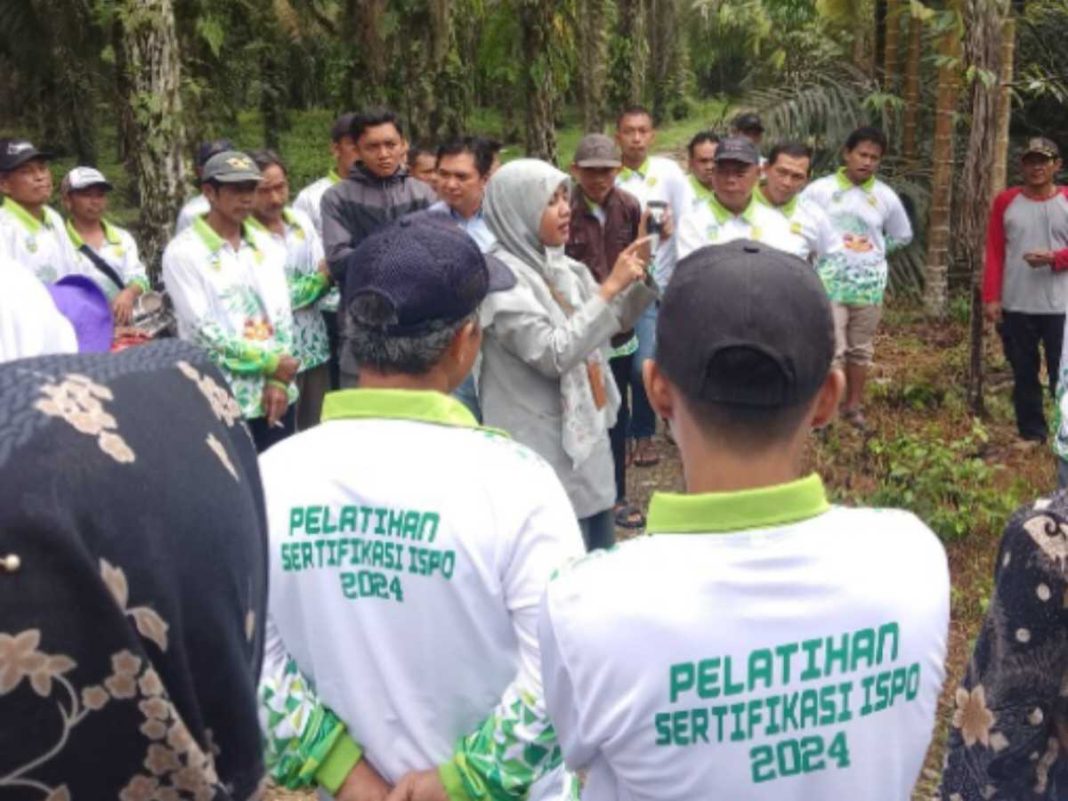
column 16, row 152
column 426, row 269
column 744, row 324
column 212, row 148
column 737, row 148
column 342, row 126
column 748, row 121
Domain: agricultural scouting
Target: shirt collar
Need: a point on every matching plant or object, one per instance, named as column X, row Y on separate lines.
column 627, row 173
column 288, row 217
column 787, row 208
column 213, row 241
column 29, row 222
column 723, row 214
column 724, row 512
column 333, row 177
column 422, row 406
column 701, row 191
column 844, row 182
column 111, row 235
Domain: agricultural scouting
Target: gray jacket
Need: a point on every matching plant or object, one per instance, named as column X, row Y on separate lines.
column 524, row 353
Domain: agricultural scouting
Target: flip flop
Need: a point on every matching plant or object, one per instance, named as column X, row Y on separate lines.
column 855, row 418
column 644, row 455
column 629, row 516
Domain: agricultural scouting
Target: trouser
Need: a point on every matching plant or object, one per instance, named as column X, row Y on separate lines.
column 617, row 435
column 312, row 384
column 599, row 530
column 330, row 318
column 1021, row 336
column 643, row 419
column 855, row 325
column 467, row 394
column 265, row 436
column 1062, row 473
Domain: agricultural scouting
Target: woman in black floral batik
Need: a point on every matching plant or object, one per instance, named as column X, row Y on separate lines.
column 132, row 581
column 1009, row 734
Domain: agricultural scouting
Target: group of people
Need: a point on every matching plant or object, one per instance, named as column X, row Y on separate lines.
column 446, row 619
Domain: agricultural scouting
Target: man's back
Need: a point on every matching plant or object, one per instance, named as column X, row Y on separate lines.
column 796, row 663
column 408, row 558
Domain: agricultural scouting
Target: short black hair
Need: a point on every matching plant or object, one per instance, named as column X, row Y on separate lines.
column 371, row 118
column 748, row 428
column 635, row 111
column 795, row 150
column 417, row 149
column 700, row 138
column 268, row 158
column 867, row 133
column 482, row 150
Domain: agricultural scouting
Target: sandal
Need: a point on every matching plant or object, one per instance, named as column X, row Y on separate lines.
column 855, row 417
column 644, row 454
column 629, row 516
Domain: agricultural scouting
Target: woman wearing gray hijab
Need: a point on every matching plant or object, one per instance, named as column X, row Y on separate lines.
column 545, row 377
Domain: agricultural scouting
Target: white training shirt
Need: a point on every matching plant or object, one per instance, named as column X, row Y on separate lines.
column 119, row 251
column 40, row 246
column 409, row 551
column 809, row 234
column 30, row 323
column 310, row 201
column 869, row 222
column 196, row 206
column 662, row 179
column 759, row 646
column 711, row 223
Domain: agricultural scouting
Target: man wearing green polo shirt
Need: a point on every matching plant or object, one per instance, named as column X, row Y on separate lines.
column 761, row 641
column 732, row 212
column 31, row 233
column 785, row 175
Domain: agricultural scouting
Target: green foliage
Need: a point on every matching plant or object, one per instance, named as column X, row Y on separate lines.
column 946, row 483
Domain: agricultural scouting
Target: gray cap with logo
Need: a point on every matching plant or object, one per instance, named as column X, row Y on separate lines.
column 597, row 150
column 230, row 167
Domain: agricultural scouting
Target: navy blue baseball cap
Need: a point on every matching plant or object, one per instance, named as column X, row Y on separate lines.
column 425, row 272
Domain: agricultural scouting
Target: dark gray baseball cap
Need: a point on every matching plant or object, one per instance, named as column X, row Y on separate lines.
column 230, row 167
column 597, row 150
column 737, row 148
column 744, row 324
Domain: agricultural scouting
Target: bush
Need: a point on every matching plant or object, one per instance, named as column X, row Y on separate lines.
column 947, row 484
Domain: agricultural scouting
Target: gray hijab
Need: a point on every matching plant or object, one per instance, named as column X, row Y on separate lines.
column 516, row 198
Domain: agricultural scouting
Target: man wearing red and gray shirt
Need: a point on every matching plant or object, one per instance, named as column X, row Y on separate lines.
column 1025, row 281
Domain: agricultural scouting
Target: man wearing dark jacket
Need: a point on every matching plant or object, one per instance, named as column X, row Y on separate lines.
column 377, row 191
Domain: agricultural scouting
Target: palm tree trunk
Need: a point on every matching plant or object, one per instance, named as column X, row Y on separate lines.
column 1001, row 144
column 891, row 46
column 630, row 59
column 983, row 52
column 911, row 121
column 150, row 42
column 592, row 62
column 536, row 25
column 936, row 284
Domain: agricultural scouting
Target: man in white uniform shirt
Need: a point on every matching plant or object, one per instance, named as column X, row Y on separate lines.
column 409, row 552
column 785, row 175
column 198, row 206
column 760, row 644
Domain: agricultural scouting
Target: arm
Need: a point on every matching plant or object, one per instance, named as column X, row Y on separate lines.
column 337, row 238
column 690, row 237
column 897, row 229
column 307, row 288
column 305, row 743
column 552, row 349
column 187, row 292
column 994, row 263
column 1009, row 702
column 134, row 273
column 516, row 744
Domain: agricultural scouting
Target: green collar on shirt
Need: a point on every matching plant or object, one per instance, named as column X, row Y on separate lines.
column 214, row 242
column 110, row 234
column 722, row 213
column 844, row 181
column 724, row 512
column 29, row 222
column 787, row 208
column 701, row 192
column 334, row 177
column 626, row 173
column 422, row 406
column 288, row 217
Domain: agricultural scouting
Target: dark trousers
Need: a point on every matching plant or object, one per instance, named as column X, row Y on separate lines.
column 264, row 436
column 1021, row 335
column 599, row 530
column 330, row 318
column 617, row 435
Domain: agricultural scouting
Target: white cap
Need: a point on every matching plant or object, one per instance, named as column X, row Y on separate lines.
column 83, row 178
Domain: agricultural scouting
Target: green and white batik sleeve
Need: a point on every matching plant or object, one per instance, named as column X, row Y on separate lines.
column 305, row 289
column 306, row 744
column 237, row 355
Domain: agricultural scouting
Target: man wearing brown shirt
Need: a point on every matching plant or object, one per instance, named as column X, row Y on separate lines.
column 604, row 221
